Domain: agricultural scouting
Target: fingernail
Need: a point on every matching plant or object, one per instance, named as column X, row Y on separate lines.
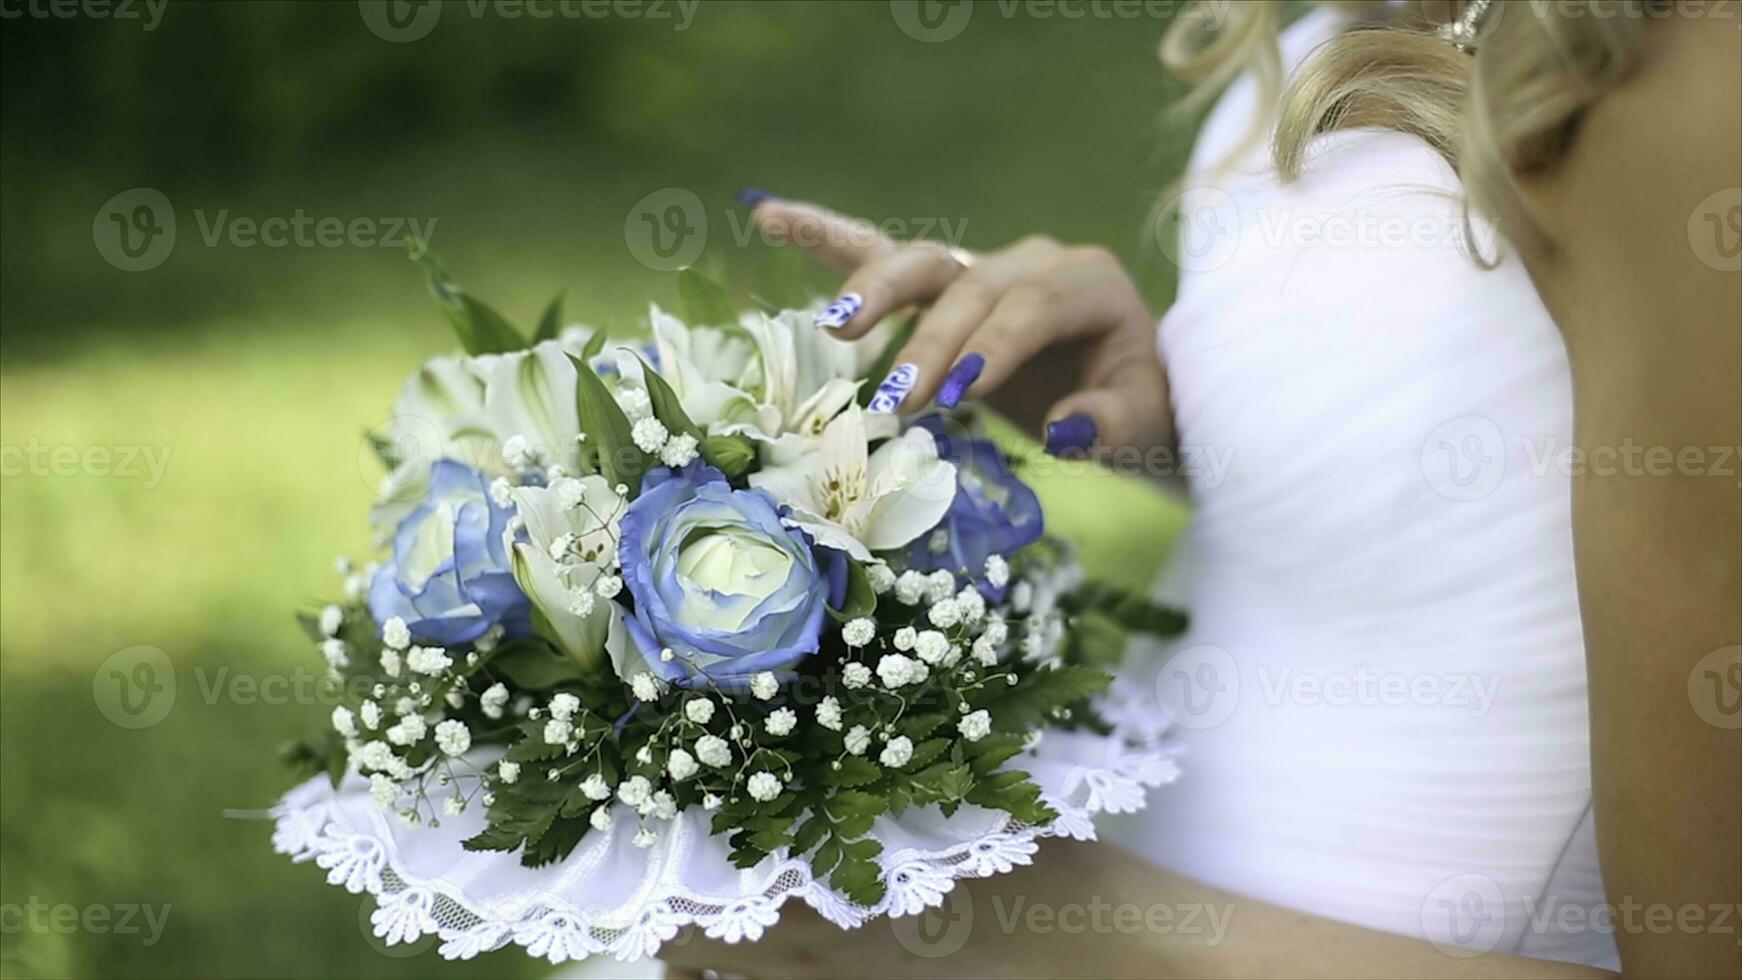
column 840, row 311
column 961, row 377
column 1073, row 433
column 749, row 197
column 893, row 391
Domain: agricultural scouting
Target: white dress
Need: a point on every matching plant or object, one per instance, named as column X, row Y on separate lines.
column 1382, row 693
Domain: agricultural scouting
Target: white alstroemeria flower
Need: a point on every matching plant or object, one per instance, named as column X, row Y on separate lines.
column 567, row 551
column 860, row 502
column 438, row 415
column 531, row 394
column 714, row 373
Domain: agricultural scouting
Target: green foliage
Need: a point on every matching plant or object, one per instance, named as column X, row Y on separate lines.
column 608, row 430
column 731, row 455
column 703, row 301
column 480, row 328
column 667, row 407
column 861, row 599
column 551, row 323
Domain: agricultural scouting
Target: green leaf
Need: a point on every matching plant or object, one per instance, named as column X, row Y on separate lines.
column 826, row 858
column 595, row 344
column 781, row 280
column 551, row 323
column 927, row 752
column 704, row 302
column 857, row 878
column 731, row 455
column 481, row 329
column 1029, row 703
column 886, row 359
column 535, row 667
column 608, row 430
column 1129, row 609
column 667, row 408
column 855, row 771
column 861, row 599
column 920, row 725
column 808, row 834
column 993, row 751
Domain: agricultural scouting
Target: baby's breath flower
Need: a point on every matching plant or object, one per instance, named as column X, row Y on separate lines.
column 502, row 492
column 570, row 493
column 645, row 687
column 650, row 435
column 881, row 577
column 564, row 706
column 895, row 670
column 940, row 585
column 975, row 726
column 680, row 451
column 344, row 722
column 634, row 402
column 516, row 454
column 409, row 731
column 391, row 662
column 558, row 731
column 1021, row 596
column 855, row 676
column 383, row 790
column 711, row 801
column 635, row 790
column 493, row 700
column 713, row 751
column 763, row 786
column 332, row 617
column 905, row 637
column 601, row 818
column 336, row 653
column 681, row 765
column 608, row 586
column 595, row 788
column 645, row 838
column 764, row 686
column 897, row 752
column 858, row 739
column 581, row 601
column 945, row 613
column 454, row 806
column 396, row 634
column 781, row 722
column 662, row 806
column 932, row 646
column 829, row 714
column 453, row 737
column 428, row 660
column 985, row 651
column 910, row 588
column 971, row 604
column 699, row 710
column 507, row 771
column 370, row 712
column 859, row 632
column 997, row 571
column 997, row 631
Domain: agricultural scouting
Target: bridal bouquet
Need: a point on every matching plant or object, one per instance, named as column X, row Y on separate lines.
column 666, row 631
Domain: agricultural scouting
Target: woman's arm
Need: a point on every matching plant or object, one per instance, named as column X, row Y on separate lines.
column 1648, row 217
column 1091, row 910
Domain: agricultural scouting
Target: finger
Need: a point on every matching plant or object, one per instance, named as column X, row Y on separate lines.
column 914, row 273
column 935, row 350
column 1126, row 408
column 836, row 240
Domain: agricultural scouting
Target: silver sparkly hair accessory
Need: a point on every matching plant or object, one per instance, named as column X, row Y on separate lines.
column 1462, row 33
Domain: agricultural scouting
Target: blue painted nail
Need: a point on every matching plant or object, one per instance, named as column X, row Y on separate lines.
column 749, row 197
column 961, row 377
column 893, row 391
column 840, row 311
column 1073, row 433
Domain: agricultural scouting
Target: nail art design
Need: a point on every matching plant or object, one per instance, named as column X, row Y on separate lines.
column 840, row 311
column 1073, row 433
column 960, row 379
column 749, row 197
column 893, row 391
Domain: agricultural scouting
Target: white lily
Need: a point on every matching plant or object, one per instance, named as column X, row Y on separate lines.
column 858, row 501
column 567, row 552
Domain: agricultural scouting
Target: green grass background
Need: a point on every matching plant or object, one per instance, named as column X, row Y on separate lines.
column 258, row 369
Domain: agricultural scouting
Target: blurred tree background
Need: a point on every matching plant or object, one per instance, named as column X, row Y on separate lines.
column 527, row 139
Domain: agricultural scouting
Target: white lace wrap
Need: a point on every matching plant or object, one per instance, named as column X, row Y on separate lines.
column 611, row 897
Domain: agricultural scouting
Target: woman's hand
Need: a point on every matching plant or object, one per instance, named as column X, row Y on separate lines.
column 986, row 319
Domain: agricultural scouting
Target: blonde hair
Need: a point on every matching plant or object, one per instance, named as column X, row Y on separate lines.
column 1509, row 110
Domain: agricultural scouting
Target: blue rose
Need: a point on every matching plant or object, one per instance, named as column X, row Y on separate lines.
column 717, row 579
column 993, row 512
column 450, row 577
